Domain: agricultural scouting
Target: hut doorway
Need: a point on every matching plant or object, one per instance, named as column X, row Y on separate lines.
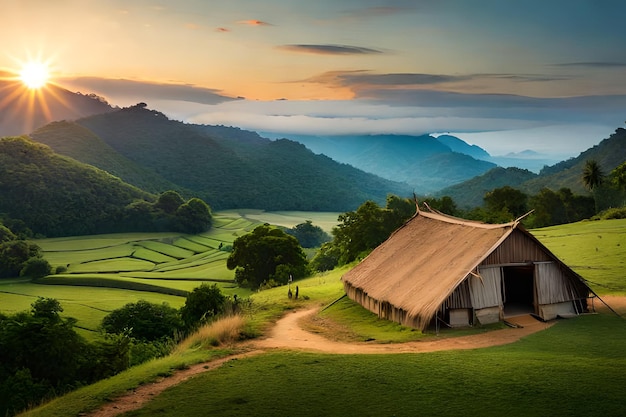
column 518, row 290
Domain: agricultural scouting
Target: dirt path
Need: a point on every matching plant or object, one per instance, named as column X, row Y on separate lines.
column 288, row 334
column 136, row 398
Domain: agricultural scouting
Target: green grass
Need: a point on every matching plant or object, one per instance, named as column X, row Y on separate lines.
column 88, row 305
column 594, row 249
column 574, row 368
column 92, row 396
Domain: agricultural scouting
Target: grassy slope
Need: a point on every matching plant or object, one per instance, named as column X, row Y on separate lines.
column 594, row 249
column 575, row 367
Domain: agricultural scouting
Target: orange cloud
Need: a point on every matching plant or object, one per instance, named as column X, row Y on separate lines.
column 254, row 22
column 221, row 29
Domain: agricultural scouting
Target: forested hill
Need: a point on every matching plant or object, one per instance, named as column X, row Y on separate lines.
column 227, row 167
column 609, row 153
column 54, row 195
column 426, row 163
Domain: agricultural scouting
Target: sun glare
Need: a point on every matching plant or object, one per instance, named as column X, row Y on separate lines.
column 34, row 75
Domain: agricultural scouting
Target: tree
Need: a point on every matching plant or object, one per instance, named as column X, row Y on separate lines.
column 13, row 256
column 505, row 204
column 618, row 176
column 592, row 174
column 169, row 202
column 202, row 304
column 36, row 268
column 194, row 216
column 6, row 234
column 309, row 235
column 257, row 256
column 144, row 321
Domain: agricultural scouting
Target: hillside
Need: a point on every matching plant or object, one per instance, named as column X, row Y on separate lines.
column 227, row 167
column 424, row 162
column 609, row 153
column 56, row 195
column 23, row 110
column 78, row 142
column 470, row 193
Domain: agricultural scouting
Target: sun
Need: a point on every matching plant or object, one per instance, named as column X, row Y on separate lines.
column 35, row 74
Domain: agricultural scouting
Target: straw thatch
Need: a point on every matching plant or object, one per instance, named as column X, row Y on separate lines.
column 436, row 262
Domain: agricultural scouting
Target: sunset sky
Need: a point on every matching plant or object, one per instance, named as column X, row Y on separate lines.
column 548, row 75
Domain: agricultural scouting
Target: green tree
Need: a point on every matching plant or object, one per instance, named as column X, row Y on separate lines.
column 257, row 256
column 326, row 258
column 13, row 256
column 309, row 235
column 194, row 216
column 6, row 234
column 593, row 176
column 505, row 204
column 36, row 268
column 144, row 320
column 202, row 305
column 169, row 201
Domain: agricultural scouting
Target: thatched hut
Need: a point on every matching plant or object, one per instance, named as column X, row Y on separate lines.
column 440, row 269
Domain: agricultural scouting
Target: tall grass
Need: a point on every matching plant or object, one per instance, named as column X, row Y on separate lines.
column 223, row 331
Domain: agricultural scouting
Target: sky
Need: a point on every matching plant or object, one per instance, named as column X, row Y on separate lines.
column 507, row 75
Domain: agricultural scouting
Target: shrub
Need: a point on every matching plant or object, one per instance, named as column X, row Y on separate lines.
column 614, row 213
column 144, row 321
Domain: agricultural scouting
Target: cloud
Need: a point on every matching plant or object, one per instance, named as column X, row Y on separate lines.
column 254, row 22
column 359, row 80
column 328, row 49
column 592, row 64
column 222, row 29
column 119, row 91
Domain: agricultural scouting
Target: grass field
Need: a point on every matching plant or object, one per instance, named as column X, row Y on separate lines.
column 594, row 249
column 105, row 272
column 574, row 368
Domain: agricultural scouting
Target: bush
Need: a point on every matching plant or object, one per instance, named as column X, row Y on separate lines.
column 144, row 321
column 614, row 213
column 36, row 268
column 202, row 305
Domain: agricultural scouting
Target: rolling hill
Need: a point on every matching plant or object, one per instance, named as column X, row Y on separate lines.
column 227, row 167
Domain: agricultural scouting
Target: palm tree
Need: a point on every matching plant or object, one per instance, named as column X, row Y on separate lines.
column 592, row 174
column 593, row 178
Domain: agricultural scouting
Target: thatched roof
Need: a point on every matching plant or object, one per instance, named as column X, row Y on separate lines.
column 418, row 267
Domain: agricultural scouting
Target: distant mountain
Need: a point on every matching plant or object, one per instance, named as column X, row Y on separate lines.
column 226, row 167
column 460, row 146
column 57, row 196
column 23, row 110
column 424, row 162
column 609, row 153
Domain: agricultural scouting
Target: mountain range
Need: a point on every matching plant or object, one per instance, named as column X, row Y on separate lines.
column 226, row 167
column 229, row 167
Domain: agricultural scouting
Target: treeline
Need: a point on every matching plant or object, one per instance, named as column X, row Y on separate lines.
column 362, row 230
column 45, row 194
column 42, row 355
